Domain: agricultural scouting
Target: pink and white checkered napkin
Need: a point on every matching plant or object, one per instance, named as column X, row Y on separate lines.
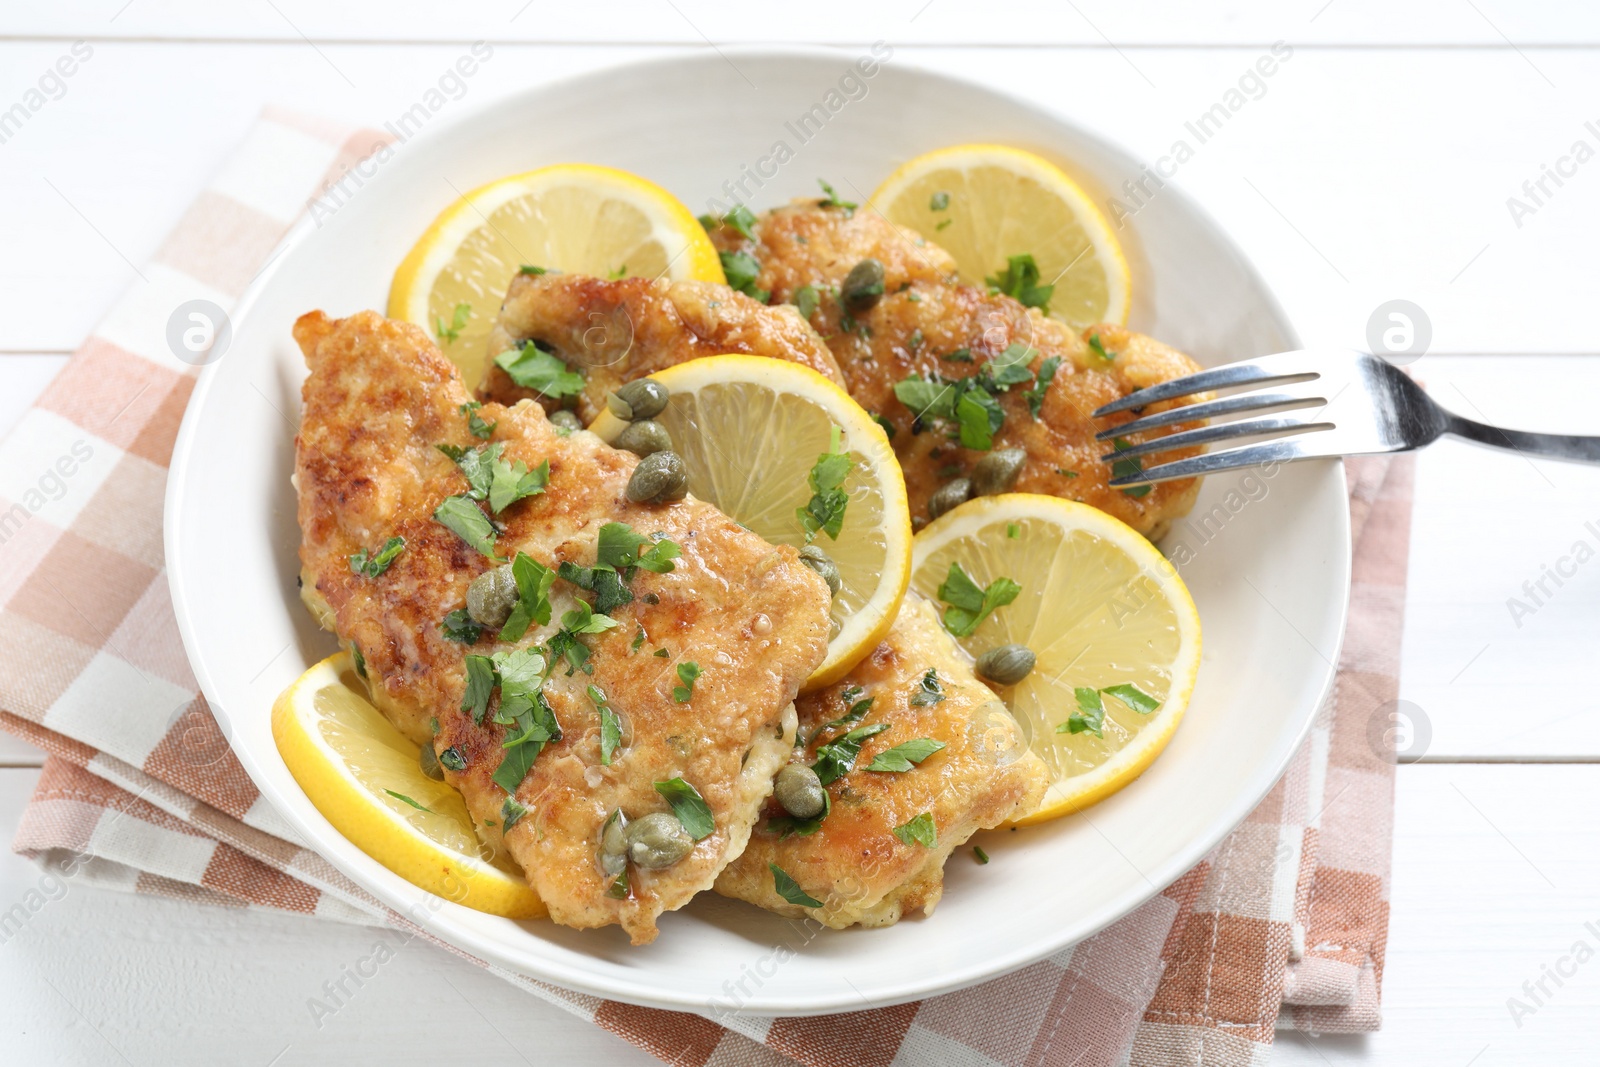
column 1283, row 925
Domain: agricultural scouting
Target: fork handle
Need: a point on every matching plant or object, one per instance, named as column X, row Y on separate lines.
column 1555, row 445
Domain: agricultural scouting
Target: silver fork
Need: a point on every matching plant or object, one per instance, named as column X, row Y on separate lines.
column 1348, row 404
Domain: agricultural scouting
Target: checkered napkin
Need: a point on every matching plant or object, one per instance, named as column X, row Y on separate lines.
column 1283, row 925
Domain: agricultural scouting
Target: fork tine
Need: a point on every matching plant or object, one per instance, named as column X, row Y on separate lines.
column 1230, row 405
column 1248, row 372
column 1282, row 451
column 1225, row 432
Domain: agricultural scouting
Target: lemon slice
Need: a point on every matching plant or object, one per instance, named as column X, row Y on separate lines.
column 749, row 430
column 1099, row 607
column 364, row 778
column 573, row 217
column 984, row 203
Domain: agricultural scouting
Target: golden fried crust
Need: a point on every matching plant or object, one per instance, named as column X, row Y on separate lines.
column 617, row 331
column 926, row 317
column 854, row 863
column 379, row 398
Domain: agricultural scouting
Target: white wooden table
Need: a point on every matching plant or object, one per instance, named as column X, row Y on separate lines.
column 1375, row 164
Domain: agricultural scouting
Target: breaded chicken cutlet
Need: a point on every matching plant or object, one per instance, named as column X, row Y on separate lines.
column 879, row 852
column 396, row 528
column 1040, row 379
column 613, row 331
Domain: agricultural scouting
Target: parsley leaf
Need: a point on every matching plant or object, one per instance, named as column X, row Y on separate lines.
column 618, row 890
column 1099, row 347
column 824, row 512
column 905, row 755
column 927, row 399
column 524, row 708
column 927, row 692
column 919, row 831
column 980, row 415
column 460, row 627
column 858, row 706
column 938, row 201
column 1020, row 279
column 511, row 482
column 1133, row 696
column 531, row 270
column 564, row 644
column 979, row 854
column 476, row 465
column 790, row 890
column 511, row 813
column 583, row 619
column 408, row 800
column 969, row 605
column 638, row 641
column 480, row 683
column 689, row 806
column 610, row 729
column 460, row 515
column 1041, row 384
column 1129, row 467
column 741, row 218
column 534, row 580
column 1091, row 713
column 787, row 825
column 805, row 301
column 742, row 270
column 832, row 199
column 604, row 582
column 1011, row 366
column 618, row 549
column 838, row 757
column 533, row 368
column 475, row 423
column 521, row 673
column 371, row 567
column 687, row 673
column 453, row 759
column 458, row 319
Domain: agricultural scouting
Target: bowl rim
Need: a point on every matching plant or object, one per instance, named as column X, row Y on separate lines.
column 635, row 987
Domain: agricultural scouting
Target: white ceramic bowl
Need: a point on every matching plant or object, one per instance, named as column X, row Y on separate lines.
column 1269, row 566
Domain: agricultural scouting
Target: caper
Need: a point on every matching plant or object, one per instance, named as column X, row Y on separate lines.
column 997, row 472
column 565, row 420
column 491, row 596
column 657, row 840
column 800, row 791
column 818, row 560
column 614, row 844
column 1006, row 665
column 660, row 477
column 953, row 493
column 428, row 760
column 863, row 286
column 643, row 438
column 640, row 399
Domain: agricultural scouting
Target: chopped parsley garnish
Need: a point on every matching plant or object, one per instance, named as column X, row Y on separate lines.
column 511, row 482
column 453, row 759
column 376, row 564
column 661, row 652
column 480, row 429
column 1041, row 384
column 525, row 710
column 408, row 800
column 741, row 218
column 824, row 512
column 888, row 427
column 565, row 645
column 618, row 548
column 530, row 270
column 938, row 201
column 787, row 825
column 1020, row 279
column 919, row 831
column 914, row 342
column 1131, row 466
column 458, row 320
column 966, row 400
column 927, row 692
column 856, row 709
column 638, row 640
column 687, row 673
column 689, row 806
column 618, row 274
column 970, row 605
column 1013, row 530
column 480, row 683
column 979, row 854
column 790, row 890
column 460, row 515
column 805, row 301
column 360, row 660
column 1066, row 473
column 1091, row 713
column 838, row 757
column 1011, row 366
column 742, row 270
column 1100, row 348
column 618, row 890
column 905, row 755
column 511, row 813
column 476, row 465
column 960, row 355
column 942, row 225
column 832, row 199
column 610, row 733
column 534, row 580
column 533, row 368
